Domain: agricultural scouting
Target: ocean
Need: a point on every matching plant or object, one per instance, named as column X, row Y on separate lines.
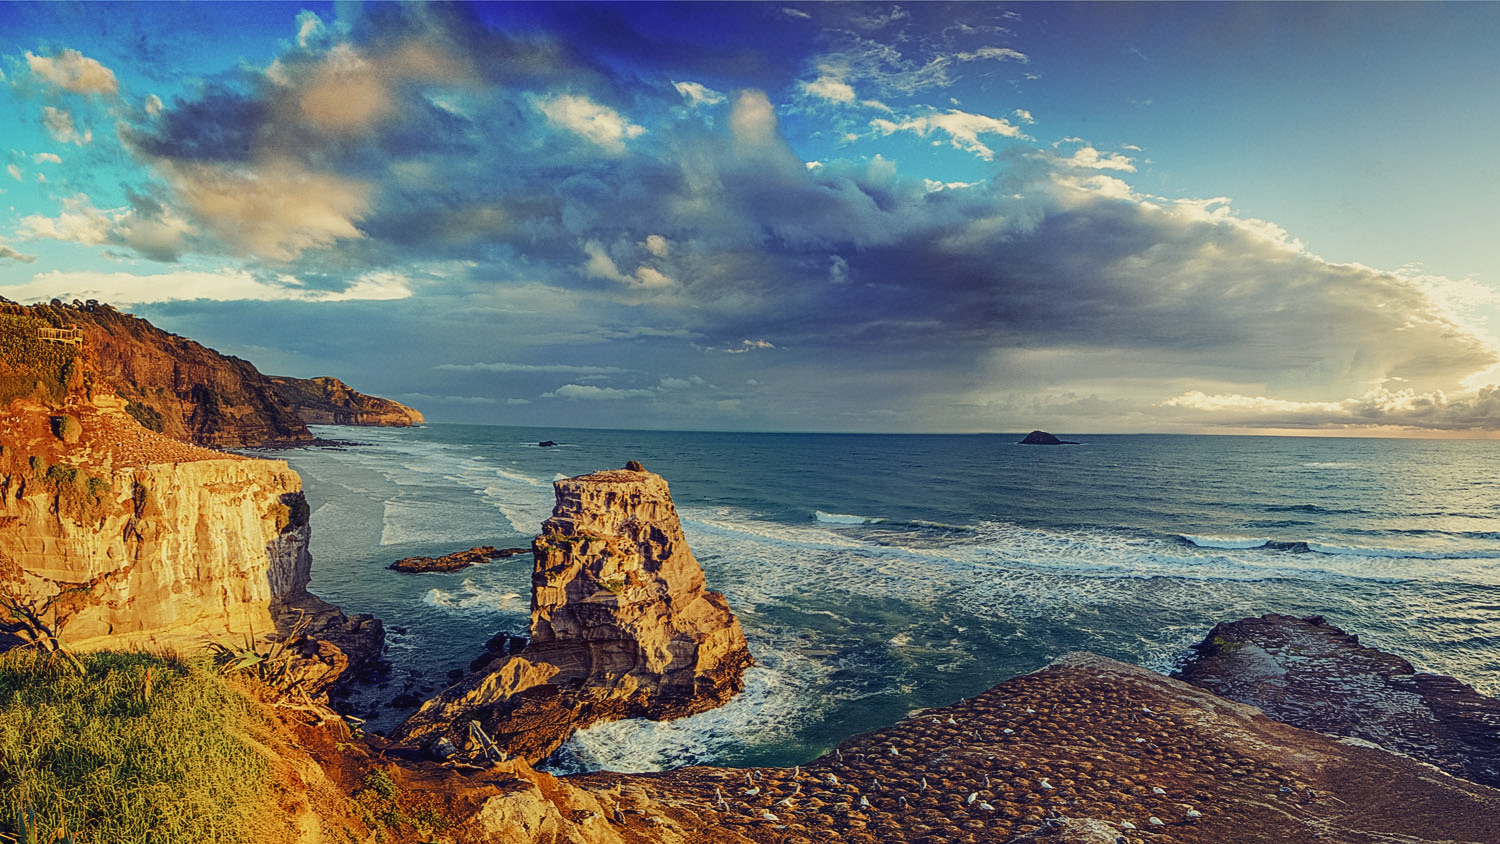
column 880, row 574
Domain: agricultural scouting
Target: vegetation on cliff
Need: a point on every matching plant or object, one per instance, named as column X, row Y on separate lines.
column 136, row 748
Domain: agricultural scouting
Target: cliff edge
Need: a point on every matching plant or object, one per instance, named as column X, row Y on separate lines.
column 329, row 401
column 622, row 626
column 171, row 385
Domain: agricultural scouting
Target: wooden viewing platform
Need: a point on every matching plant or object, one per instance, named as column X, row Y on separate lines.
column 71, row 336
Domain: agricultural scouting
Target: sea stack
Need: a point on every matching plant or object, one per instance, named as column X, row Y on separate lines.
column 622, row 626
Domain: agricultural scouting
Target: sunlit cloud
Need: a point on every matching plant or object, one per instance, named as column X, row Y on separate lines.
column 598, row 124
column 226, row 285
column 72, row 71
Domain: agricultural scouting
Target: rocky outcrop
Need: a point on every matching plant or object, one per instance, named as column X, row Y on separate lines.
column 180, row 388
column 1309, row 673
column 455, row 561
column 126, row 551
column 1044, row 438
column 622, row 625
column 171, row 384
column 125, row 538
column 329, row 401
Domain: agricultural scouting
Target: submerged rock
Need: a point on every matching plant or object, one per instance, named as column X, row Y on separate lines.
column 1309, row 673
column 455, row 561
column 622, row 626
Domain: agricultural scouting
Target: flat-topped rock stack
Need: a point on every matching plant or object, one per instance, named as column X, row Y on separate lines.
column 622, row 626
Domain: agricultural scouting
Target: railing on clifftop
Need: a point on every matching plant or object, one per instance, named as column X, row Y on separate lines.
column 70, row 336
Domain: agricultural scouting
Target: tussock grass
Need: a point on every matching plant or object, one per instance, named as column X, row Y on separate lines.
column 139, row 749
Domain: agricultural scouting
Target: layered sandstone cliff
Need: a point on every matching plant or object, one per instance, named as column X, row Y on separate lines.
column 118, row 537
column 132, row 539
column 329, row 401
column 622, row 626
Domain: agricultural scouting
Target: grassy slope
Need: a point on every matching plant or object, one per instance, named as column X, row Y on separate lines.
column 121, row 759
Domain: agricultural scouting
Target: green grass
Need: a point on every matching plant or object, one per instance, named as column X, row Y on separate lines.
column 126, row 760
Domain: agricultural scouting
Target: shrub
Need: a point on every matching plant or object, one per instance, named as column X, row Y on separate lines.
column 67, row 428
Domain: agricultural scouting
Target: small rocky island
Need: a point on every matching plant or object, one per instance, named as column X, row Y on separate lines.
column 1044, row 438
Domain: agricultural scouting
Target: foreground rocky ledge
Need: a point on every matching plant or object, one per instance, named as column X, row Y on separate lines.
column 1307, row 672
column 622, row 626
column 1086, row 750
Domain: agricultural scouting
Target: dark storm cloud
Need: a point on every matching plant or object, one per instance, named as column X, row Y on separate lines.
column 560, row 192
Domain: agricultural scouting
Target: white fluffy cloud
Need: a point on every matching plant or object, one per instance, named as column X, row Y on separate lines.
column 962, row 128
column 589, row 392
column 72, row 71
column 1381, row 407
column 275, row 210
column 599, row 124
column 698, row 94
column 831, row 89
column 59, row 124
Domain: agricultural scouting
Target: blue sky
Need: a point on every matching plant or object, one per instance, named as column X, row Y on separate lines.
column 864, row 217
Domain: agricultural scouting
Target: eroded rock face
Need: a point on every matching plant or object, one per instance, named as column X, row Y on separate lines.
column 129, row 538
column 329, row 401
column 622, row 625
column 1309, row 673
column 173, row 553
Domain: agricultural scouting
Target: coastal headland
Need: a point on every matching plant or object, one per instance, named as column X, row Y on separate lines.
column 119, row 530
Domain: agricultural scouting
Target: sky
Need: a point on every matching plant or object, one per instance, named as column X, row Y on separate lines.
column 917, row 217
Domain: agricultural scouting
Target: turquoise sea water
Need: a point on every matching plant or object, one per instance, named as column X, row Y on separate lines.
column 877, row 574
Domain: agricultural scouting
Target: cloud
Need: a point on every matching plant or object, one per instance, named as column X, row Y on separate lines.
column 59, row 124
column 698, row 94
column 15, row 172
column 530, row 368
column 72, row 71
column 80, row 222
column 1003, row 54
column 225, row 285
column 747, row 346
column 152, row 230
column 9, row 254
column 1088, row 158
column 962, row 128
column 47, row 157
column 569, row 231
column 588, row 392
column 1435, row 410
column 830, row 89
column 598, row 124
column 466, row 401
column 276, row 209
